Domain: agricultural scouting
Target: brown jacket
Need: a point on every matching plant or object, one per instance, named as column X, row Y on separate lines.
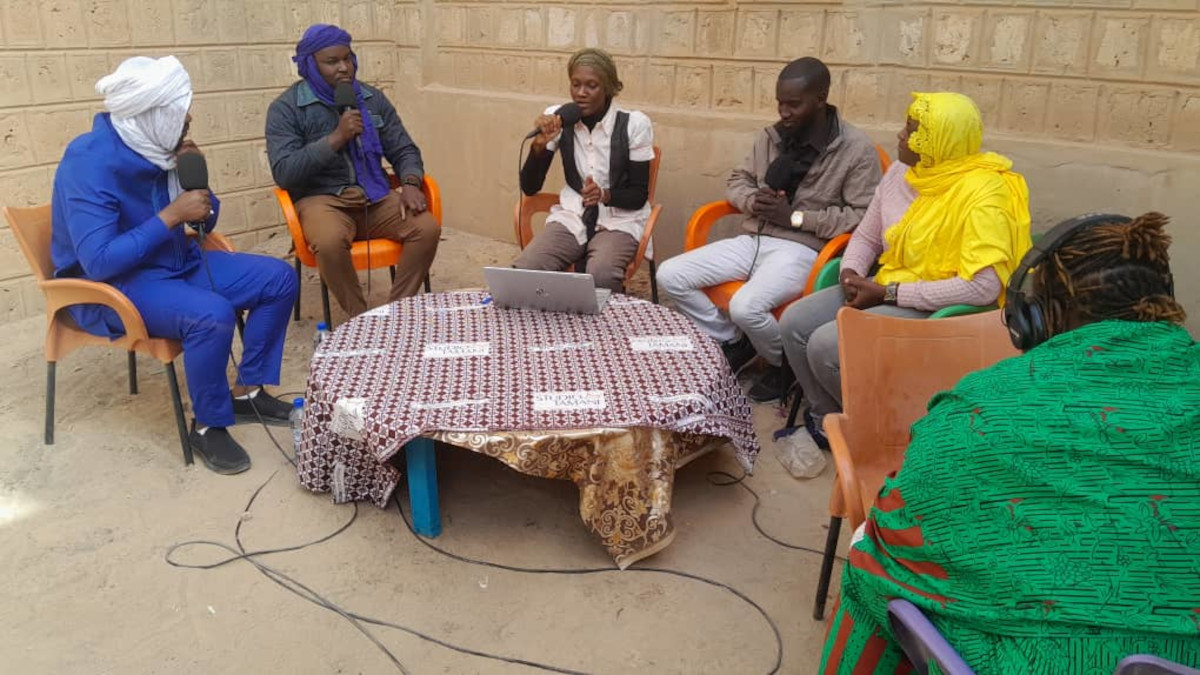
column 834, row 194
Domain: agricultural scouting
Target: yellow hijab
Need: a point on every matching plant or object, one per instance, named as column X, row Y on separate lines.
column 971, row 210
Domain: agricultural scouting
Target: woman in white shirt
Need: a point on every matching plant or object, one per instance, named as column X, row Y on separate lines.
column 602, row 210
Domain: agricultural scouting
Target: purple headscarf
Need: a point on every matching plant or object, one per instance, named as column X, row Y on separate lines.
column 368, row 159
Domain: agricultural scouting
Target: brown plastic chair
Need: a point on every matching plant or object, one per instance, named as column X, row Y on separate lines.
column 701, row 224
column 367, row 254
column 529, row 205
column 890, row 369
column 31, row 227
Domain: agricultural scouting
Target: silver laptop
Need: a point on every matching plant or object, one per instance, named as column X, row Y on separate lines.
column 547, row 291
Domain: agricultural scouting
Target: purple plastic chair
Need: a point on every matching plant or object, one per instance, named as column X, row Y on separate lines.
column 921, row 641
column 1144, row 664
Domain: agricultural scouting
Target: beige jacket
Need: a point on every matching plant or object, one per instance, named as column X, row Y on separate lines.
column 834, row 194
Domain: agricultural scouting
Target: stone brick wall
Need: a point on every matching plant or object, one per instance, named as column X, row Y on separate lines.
column 1098, row 101
column 238, row 54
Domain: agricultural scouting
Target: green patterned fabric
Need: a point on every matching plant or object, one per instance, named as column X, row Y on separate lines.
column 1047, row 516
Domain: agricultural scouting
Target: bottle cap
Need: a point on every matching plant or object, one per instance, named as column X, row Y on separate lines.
column 297, row 403
column 322, row 326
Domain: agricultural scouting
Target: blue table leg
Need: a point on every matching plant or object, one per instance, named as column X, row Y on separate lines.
column 422, row 487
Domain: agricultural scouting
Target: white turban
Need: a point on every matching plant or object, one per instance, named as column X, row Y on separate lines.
column 149, row 101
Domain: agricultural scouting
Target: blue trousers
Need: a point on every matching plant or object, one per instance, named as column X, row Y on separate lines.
column 188, row 309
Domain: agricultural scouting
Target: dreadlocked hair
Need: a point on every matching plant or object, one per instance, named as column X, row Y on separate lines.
column 1111, row 271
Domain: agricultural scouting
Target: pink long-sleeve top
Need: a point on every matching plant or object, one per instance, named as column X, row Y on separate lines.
column 892, row 198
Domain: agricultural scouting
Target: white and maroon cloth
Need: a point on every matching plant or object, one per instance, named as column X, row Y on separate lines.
column 452, row 363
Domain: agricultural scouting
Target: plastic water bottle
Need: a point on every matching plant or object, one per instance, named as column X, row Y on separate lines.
column 297, row 419
column 322, row 333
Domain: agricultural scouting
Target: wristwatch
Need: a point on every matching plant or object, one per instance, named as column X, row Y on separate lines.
column 411, row 180
column 889, row 293
column 797, row 218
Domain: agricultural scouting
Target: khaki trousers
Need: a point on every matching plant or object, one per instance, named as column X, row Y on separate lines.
column 332, row 223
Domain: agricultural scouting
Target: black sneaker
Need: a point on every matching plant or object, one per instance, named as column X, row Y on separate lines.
column 739, row 354
column 273, row 411
column 818, row 436
column 773, row 385
column 218, row 450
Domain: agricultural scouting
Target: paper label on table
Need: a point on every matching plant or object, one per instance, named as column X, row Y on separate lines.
column 560, row 347
column 382, row 310
column 445, row 405
column 456, row 350
column 347, row 353
column 661, row 343
column 568, row 400
column 348, row 417
column 457, row 308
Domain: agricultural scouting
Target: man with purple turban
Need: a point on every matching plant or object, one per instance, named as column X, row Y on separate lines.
column 330, row 161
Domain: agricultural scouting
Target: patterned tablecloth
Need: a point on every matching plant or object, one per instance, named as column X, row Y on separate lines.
column 613, row 402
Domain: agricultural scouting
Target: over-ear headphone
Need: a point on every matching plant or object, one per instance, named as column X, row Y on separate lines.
column 1024, row 315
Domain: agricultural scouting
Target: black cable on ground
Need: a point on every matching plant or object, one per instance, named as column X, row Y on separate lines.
column 295, row 586
column 740, row 481
column 607, row 570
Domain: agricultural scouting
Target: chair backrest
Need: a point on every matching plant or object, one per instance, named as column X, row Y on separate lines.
column 921, row 641
column 1145, row 664
column 890, row 369
column 654, row 174
column 31, row 227
column 885, row 162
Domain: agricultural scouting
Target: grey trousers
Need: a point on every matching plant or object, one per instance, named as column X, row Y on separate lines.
column 555, row 249
column 810, row 340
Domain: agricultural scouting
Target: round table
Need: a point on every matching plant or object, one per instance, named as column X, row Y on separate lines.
column 614, row 402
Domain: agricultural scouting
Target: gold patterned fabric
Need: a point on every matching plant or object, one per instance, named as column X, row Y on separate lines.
column 625, row 477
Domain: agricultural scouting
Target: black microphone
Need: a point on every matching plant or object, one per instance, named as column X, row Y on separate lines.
column 192, row 170
column 345, row 99
column 569, row 113
column 779, row 174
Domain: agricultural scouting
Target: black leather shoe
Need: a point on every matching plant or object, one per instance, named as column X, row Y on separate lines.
column 273, row 411
column 773, row 385
column 219, row 452
column 739, row 354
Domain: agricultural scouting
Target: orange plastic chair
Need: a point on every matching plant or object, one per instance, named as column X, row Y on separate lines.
column 31, row 227
column 890, row 369
column 706, row 216
column 529, row 205
column 366, row 254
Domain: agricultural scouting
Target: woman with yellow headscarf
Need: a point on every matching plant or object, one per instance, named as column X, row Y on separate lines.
column 947, row 226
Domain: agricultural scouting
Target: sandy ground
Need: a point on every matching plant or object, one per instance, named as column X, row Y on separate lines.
column 85, row 526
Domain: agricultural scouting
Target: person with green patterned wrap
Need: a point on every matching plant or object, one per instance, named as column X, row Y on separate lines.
column 1047, row 515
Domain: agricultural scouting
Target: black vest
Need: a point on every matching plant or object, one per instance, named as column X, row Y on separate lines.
column 618, row 158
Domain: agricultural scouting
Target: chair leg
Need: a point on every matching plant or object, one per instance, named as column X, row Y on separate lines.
column 795, row 412
column 325, row 305
column 831, row 542
column 50, row 403
column 132, row 373
column 296, row 308
column 422, row 487
column 428, row 286
column 179, row 421
column 392, row 273
column 653, row 282
column 241, row 324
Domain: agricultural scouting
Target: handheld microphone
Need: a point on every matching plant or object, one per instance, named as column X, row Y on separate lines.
column 779, row 173
column 192, row 170
column 569, row 113
column 345, row 99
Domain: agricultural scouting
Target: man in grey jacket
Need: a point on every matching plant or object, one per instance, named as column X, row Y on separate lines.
column 330, row 161
column 808, row 179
